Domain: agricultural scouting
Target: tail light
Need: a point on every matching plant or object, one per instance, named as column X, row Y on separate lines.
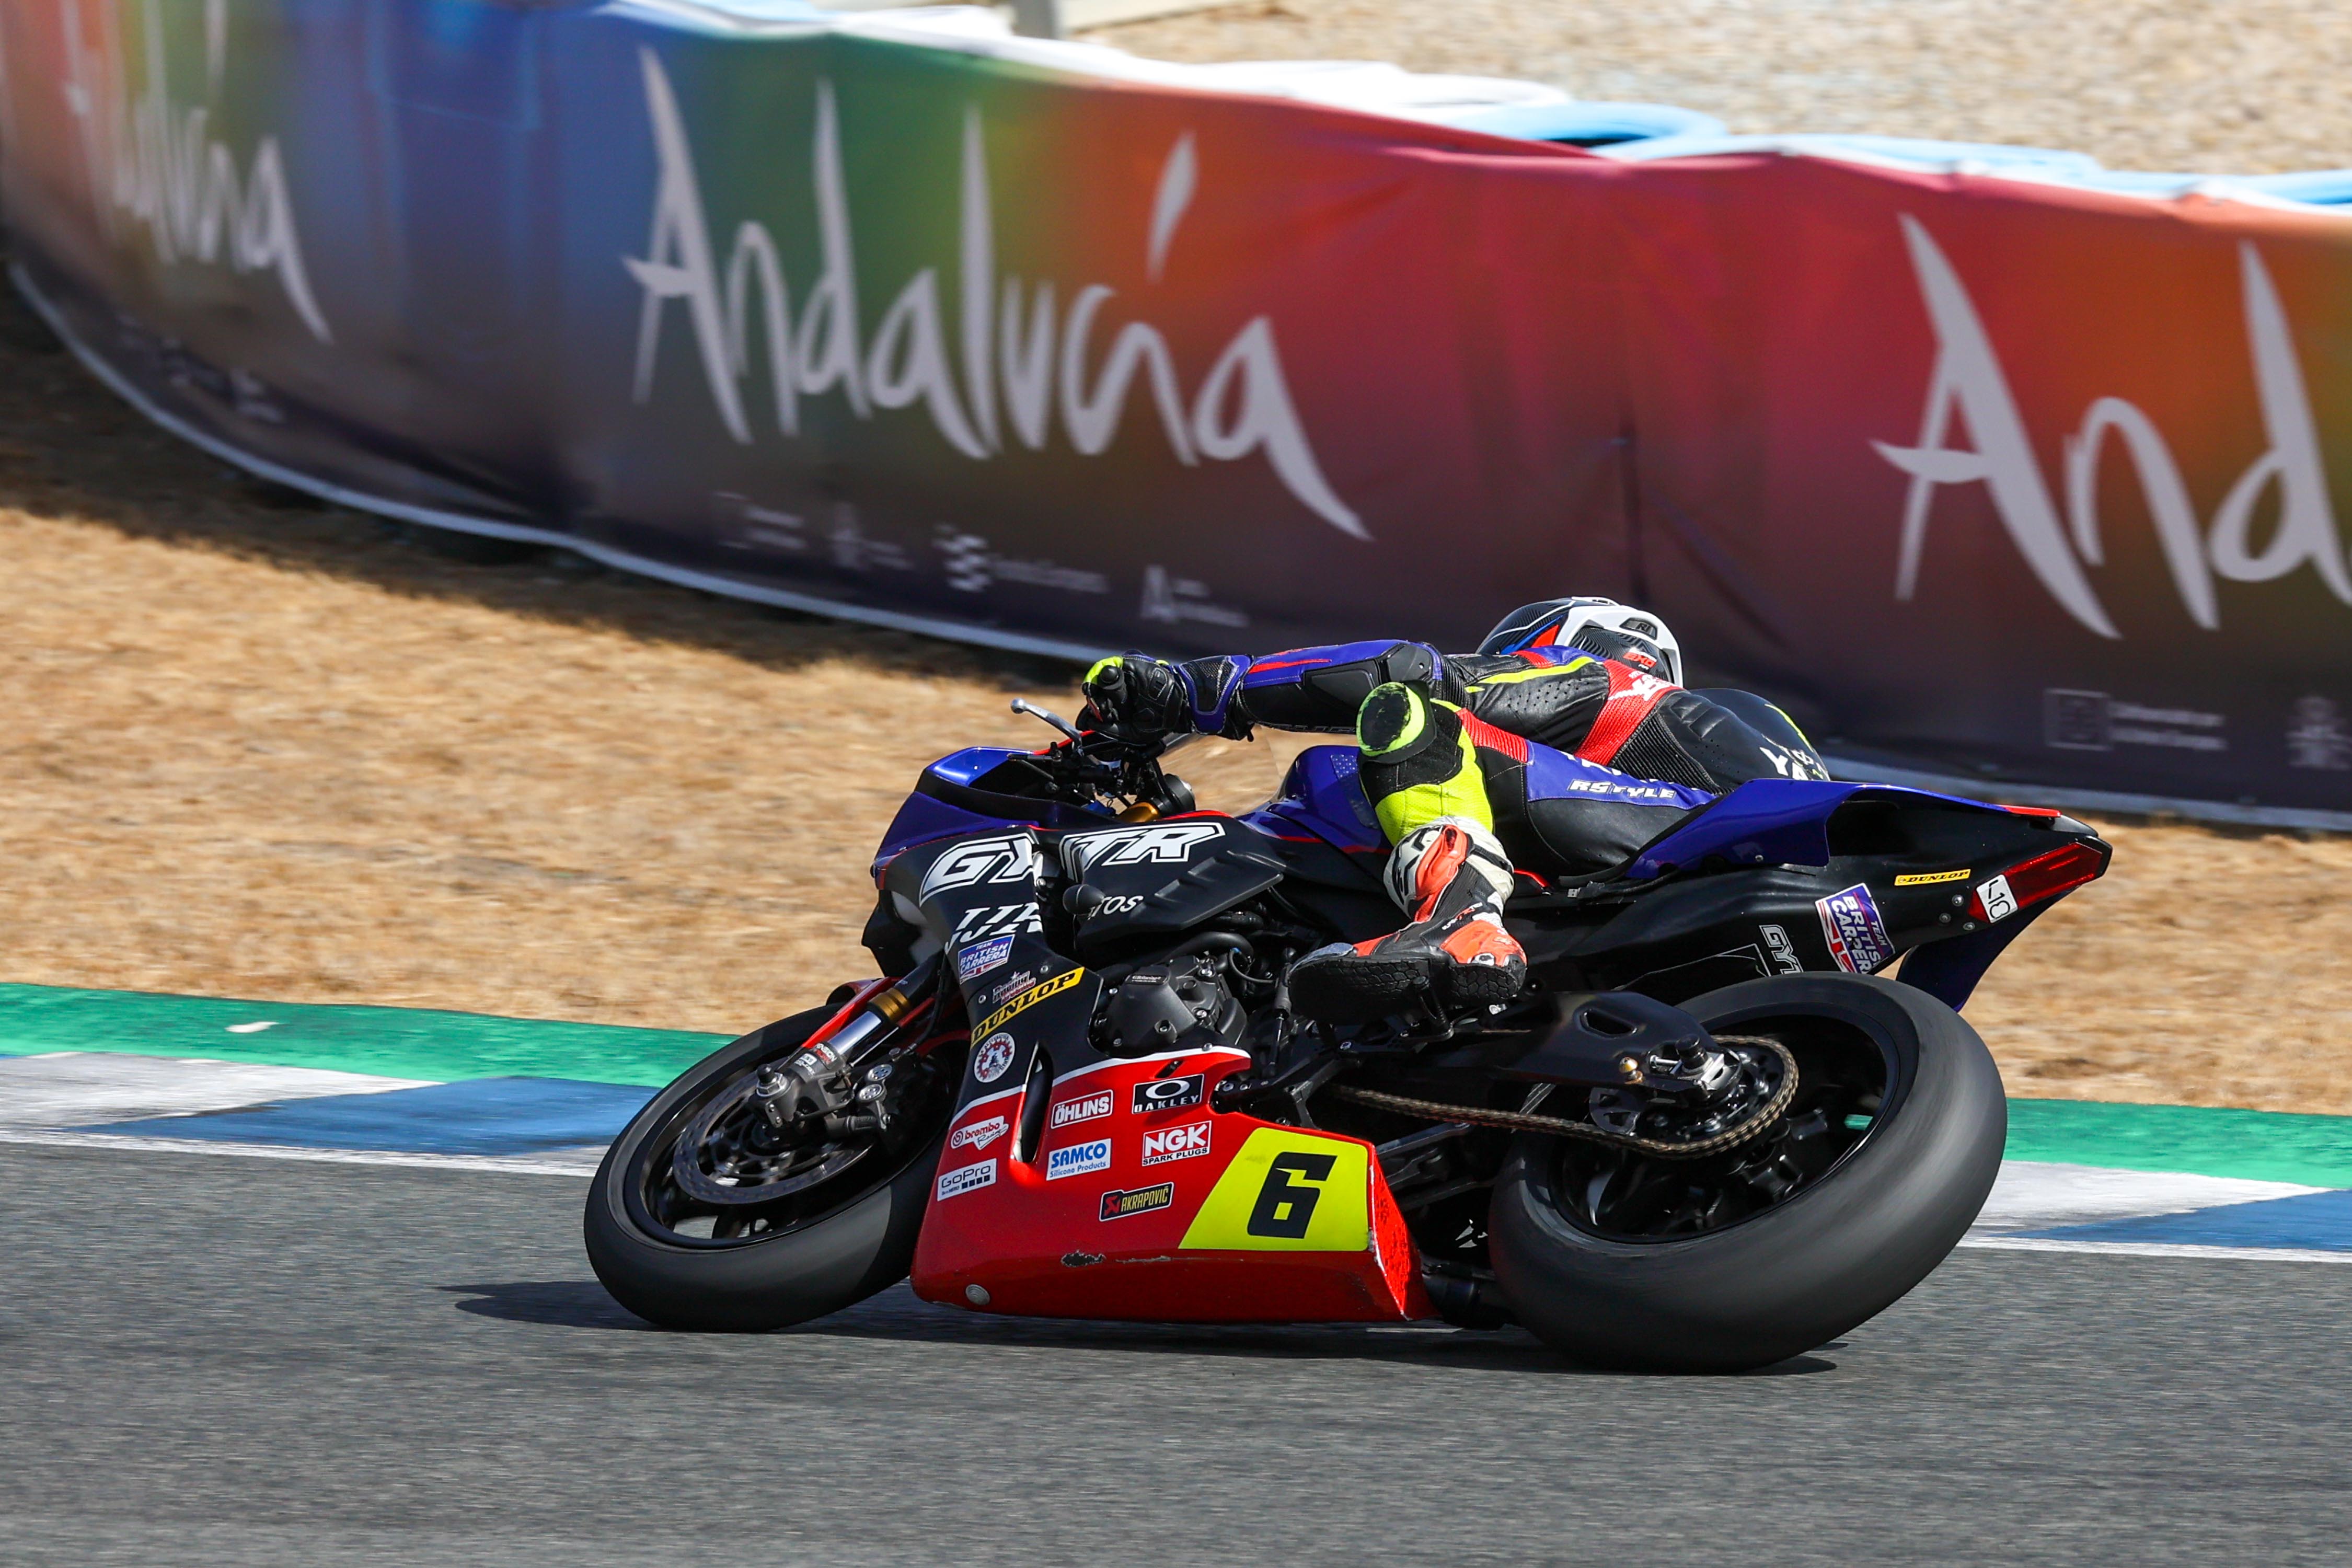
column 2040, row 880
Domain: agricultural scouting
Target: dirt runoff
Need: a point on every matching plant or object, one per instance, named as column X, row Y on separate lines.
column 254, row 748
column 2205, row 86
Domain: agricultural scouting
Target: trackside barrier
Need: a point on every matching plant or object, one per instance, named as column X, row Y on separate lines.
column 1989, row 462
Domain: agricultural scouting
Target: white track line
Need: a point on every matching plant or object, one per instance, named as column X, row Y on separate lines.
column 274, row 1151
column 2157, row 1249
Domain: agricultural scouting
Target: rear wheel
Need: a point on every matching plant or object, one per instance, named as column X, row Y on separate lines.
column 700, row 1218
column 1763, row 1252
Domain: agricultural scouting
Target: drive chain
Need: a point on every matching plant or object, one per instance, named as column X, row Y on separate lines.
column 1528, row 1121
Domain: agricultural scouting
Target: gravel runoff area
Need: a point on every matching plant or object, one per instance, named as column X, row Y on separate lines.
column 257, row 748
column 2209, row 85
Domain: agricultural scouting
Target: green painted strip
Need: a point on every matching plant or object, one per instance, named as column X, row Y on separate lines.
column 397, row 1042
column 2194, row 1140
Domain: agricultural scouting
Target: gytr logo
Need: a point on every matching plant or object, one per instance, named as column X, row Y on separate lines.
column 1968, row 380
column 1010, row 375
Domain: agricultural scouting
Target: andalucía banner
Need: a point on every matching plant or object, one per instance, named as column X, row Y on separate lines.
column 1981, row 470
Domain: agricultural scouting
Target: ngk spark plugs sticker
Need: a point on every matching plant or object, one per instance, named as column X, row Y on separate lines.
column 1168, row 1093
column 1078, row 1159
column 1857, row 937
column 995, row 1054
column 1142, row 1200
column 1176, row 1144
column 1085, row 1108
column 982, row 956
column 978, row 1135
column 1998, row 899
column 967, row 1179
column 1028, row 999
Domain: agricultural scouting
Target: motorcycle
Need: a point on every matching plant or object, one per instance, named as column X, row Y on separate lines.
column 1712, row 1133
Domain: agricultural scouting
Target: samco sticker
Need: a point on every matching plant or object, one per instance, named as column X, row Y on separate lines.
column 1029, row 998
column 1928, row 879
column 1288, row 1191
column 1857, row 937
column 1078, row 1159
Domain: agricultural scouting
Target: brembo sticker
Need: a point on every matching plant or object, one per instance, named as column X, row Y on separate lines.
column 967, row 1178
column 1028, row 999
column 1857, row 937
column 978, row 1135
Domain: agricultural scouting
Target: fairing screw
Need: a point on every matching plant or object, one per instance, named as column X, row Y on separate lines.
column 976, row 1295
column 1629, row 1067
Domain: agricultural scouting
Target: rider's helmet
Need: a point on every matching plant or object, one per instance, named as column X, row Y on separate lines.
column 1603, row 626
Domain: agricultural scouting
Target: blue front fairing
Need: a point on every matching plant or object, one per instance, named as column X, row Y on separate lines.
column 924, row 817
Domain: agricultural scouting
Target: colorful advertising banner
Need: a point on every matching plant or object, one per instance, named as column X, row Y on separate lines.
column 1979, row 473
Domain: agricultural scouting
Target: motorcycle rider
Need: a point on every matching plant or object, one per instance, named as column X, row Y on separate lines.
column 1567, row 734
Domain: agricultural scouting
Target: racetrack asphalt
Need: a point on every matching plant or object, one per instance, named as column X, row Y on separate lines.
column 207, row 1360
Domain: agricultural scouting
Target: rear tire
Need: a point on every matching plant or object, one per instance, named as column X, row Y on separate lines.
column 815, row 1268
column 1833, row 1254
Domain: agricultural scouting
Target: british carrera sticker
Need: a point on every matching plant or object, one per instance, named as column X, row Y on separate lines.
column 1857, row 937
column 982, row 956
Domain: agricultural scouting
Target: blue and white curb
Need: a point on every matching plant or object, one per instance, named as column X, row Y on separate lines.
column 554, row 1126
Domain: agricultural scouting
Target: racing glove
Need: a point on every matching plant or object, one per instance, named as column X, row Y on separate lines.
column 1139, row 695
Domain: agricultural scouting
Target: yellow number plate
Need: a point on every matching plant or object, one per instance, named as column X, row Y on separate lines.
column 1288, row 1191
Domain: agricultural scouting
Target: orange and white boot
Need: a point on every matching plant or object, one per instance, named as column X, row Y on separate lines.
column 1452, row 877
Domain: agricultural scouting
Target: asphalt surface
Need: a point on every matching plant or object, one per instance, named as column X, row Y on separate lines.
column 208, row 1360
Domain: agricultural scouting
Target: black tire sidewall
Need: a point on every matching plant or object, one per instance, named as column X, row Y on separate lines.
column 1792, row 1278
column 808, row 1272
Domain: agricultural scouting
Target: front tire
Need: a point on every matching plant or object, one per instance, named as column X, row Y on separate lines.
column 1768, row 1285
column 814, row 1265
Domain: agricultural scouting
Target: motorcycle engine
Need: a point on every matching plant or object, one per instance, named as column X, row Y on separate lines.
column 1179, row 1003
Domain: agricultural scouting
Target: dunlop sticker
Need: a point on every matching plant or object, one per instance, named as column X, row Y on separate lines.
column 1923, row 879
column 1028, row 999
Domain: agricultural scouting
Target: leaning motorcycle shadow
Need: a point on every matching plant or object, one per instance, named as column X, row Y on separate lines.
column 897, row 1316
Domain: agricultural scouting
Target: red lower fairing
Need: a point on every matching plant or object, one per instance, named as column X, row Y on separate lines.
column 1231, row 1220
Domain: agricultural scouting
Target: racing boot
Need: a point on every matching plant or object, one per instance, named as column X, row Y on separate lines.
column 1452, row 877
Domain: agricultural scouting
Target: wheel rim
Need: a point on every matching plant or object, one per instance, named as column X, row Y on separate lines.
column 712, row 1173
column 1844, row 1072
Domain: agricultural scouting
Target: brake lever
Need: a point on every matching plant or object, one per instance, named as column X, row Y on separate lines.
column 1023, row 705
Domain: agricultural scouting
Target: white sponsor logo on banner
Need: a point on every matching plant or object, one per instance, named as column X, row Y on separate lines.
column 1007, row 361
column 160, row 163
column 1968, row 381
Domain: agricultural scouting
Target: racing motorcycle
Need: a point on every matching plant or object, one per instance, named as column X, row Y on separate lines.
column 1712, row 1133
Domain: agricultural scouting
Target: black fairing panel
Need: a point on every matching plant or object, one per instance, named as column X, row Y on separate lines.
column 1161, row 879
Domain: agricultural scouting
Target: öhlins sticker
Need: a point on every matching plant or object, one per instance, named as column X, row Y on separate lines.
column 1288, row 1191
column 1028, row 999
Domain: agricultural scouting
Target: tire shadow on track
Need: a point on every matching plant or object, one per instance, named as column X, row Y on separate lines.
column 897, row 1315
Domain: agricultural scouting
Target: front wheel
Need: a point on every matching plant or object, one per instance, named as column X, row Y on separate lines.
column 698, row 1218
column 1762, row 1252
